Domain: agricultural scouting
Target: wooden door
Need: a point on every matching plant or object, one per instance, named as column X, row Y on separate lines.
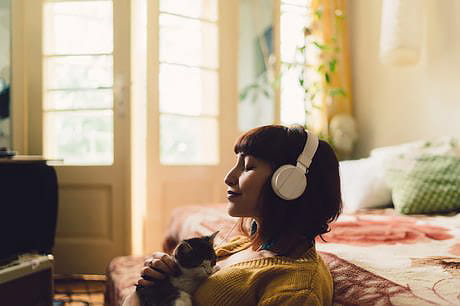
column 77, row 75
column 192, row 107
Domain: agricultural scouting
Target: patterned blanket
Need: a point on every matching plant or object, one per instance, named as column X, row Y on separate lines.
column 376, row 257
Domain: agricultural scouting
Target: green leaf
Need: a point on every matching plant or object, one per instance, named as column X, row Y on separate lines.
column 301, row 81
column 319, row 13
column 333, row 92
column 317, row 106
column 266, row 93
column 332, row 65
column 320, row 46
column 247, row 90
column 327, row 77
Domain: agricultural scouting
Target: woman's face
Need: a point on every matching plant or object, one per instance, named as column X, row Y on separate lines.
column 245, row 181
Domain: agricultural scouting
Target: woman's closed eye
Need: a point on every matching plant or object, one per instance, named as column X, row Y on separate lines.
column 249, row 168
column 249, row 165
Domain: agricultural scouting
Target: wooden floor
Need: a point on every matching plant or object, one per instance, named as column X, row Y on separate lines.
column 79, row 290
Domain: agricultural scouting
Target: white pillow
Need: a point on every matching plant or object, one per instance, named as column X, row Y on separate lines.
column 403, row 156
column 363, row 184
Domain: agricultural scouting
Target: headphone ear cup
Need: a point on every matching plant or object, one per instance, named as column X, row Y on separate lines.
column 289, row 182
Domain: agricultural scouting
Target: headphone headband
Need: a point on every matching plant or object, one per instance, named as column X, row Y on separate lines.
column 305, row 158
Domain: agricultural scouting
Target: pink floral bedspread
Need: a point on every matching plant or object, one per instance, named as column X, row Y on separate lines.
column 376, row 257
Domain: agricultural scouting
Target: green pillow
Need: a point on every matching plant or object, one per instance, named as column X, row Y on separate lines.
column 432, row 184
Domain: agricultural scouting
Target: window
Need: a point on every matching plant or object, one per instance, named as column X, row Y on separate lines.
column 256, row 64
column 188, row 82
column 294, row 18
column 257, row 77
column 78, row 80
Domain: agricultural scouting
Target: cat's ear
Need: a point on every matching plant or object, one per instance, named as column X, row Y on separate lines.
column 185, row 248
column 211, row 238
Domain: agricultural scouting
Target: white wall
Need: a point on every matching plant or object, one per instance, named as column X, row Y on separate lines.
column 395, row 105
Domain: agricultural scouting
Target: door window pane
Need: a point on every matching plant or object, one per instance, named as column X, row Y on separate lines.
column 256, row 69
column 295, row 65
column 82, row 27
column 198, row 93
column 78, row 80
column 80, row 137
column 297, row 2
column 187, row 41
column 293, row 22
column 188, row 140
column 80, row 99
column 292, row 97
column 72, row 72
column 206, row 9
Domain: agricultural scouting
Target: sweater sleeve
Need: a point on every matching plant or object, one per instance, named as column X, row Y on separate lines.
column 291, row 298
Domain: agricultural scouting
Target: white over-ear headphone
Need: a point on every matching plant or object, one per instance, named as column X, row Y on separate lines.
column 288, row 181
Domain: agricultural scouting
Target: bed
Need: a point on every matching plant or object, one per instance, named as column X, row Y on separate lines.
column 376, row 256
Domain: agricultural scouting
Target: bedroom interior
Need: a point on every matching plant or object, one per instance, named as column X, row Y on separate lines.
column 135, row 106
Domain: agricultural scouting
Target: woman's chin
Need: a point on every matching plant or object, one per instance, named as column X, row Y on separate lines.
column 231, row 210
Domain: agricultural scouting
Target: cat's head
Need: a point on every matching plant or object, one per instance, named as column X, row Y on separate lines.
column 197, row 253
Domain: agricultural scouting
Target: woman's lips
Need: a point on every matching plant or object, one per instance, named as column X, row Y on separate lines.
column 232, row 194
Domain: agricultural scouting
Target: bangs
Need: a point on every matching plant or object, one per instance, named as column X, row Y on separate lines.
column 263, row 142
column 244, row 144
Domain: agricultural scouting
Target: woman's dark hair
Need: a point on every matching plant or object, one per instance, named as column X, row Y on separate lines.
column 288, row 223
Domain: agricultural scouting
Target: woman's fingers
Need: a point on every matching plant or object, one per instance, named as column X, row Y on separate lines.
column 152, row 274
column 166, row 265
column 171, row 265
column 147, row 261
column 163, row 262
column 144, row 282
column 157, row 267
column 158, row 255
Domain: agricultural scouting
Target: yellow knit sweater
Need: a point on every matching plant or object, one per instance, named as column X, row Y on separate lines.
column 274, row 280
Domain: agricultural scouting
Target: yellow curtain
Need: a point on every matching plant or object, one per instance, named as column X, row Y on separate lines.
column 330, row 30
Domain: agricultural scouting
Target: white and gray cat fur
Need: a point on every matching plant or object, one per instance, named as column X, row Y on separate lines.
column 196, row 260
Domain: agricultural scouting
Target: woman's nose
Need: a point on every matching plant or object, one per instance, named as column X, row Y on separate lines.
column 230, row 179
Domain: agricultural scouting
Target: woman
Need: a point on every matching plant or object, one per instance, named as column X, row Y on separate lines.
column 276, row 262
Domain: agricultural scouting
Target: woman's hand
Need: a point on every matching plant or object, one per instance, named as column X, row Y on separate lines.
column 157, row 267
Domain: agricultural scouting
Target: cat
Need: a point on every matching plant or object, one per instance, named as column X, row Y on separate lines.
column 196, row 260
